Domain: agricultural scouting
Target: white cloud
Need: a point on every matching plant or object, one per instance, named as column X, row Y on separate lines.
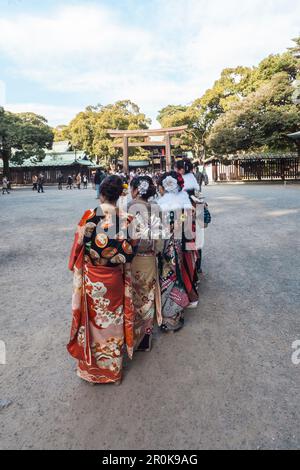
column 56, row 115
column 172, row 59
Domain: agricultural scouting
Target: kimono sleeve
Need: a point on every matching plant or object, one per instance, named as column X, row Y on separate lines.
column 78, row 239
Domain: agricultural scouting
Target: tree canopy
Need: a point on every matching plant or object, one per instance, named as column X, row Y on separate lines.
column 296, row 49
column 23, row 135
column 88, row 130
column 247, row 108
column 262, row 120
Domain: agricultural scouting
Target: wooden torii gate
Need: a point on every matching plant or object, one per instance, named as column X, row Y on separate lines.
column 167, row 134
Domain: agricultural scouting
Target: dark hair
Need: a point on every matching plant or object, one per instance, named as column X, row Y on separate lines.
column 125, row 179
column 185, row 165
column 112, row 188
column 137, row 180
column 188, row 166
column 179, row 165
column 175, row 175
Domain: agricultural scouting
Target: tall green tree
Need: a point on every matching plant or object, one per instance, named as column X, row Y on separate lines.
column 261, row 121
column 225, row 101
column 272, row 65
column 194, row 117
column 23, row 135
column 203, row 112
column 232, row 85
column 61, row 133
column 88, row 130
column 295, row 50
column 171, row 113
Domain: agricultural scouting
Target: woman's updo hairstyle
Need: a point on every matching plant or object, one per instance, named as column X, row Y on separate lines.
column 145, row 186
column 185, row 165
column 179, row 165
column 174, row 175
column 112, row 188
column 188, row 166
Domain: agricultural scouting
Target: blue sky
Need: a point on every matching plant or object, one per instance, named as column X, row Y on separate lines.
column 57, row 57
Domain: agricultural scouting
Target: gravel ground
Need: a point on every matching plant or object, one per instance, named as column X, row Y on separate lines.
column 225, row 381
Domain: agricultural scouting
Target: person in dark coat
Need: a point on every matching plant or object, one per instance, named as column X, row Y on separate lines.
column 69, row 182
column 41, row 181
column 60, row 181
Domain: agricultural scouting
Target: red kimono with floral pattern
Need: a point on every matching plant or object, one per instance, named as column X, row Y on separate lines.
column 102, row 308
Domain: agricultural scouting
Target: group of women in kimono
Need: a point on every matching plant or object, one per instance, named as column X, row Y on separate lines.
column 134, row 264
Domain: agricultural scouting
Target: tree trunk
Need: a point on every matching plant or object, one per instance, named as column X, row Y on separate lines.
column 6, row 154
column 199, row 154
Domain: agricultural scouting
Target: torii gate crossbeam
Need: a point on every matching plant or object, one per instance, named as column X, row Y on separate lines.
column 146, row 133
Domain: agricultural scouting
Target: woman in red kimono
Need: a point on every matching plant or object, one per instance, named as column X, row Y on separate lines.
column 101, row 304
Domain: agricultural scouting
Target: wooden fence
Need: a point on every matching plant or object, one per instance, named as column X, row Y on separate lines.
column 258, row 170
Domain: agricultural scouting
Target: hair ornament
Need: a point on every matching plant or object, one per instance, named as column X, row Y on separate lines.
column 170, row 184
column 143, row 187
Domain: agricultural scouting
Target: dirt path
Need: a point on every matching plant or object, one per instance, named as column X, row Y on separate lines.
column 225, row 381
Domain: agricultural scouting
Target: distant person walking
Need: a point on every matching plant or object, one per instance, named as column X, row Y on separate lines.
column 60, row 181
column 69, row 182
column 199, row 177
column 85, row 181
column 41, row 182
column 205, row 177
column 34, row 183
column 5, row 185
column 78, row 181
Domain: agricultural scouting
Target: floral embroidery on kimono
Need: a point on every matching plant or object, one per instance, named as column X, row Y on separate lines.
column 101, row 303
